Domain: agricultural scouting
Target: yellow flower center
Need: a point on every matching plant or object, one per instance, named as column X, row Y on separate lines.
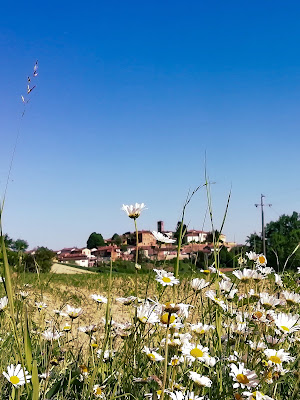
column 201, row 332
column 285, row 328
column 14, row 380
column 261, row 259
column 257, row 315
column 67, row 328
column 175, row 361
column 166, row 279
column 94, row 345
column 158, row 392
column 206, row 271
column 241, row 378
column 237, row 396
column 98, row 391
column 197, row 353
column 151, row 356
column 167, row 318
column 275, row 359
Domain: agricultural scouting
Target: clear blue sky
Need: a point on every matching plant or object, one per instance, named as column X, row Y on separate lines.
column 130, row 96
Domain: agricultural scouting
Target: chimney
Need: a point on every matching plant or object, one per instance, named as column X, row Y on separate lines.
column 160, row 226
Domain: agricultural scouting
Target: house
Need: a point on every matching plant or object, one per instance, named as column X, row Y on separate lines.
column 107, row 253
column 145, row 238
column 195, row 236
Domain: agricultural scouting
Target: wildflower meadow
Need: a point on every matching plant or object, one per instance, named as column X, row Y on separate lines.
column 160, row 335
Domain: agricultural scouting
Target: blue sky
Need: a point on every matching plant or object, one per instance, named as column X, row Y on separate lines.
column 130, row 97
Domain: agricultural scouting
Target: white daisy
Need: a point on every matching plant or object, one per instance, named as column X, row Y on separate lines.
column 126, row 300
column 261, row 260
column 257, row 396
column 243, row 377
column 291, row 297
column 51, row 334
column 245, row 275
column 40, row 305
column 160, row 237
column 199, row 379
column 99, row 299
column 211, row 294
column 201, row 329
column 97, row 391
column 152, row 355
column 133, row 211
column 73, row 312
column 251, row 255
column 15, row 375
column 278, row 280
column 194, row 352
column 199, row 284
column 165, row 278
column 3, row 303
column 183, row 396
column 287, row 323
column 146, row 313
column 277, row 357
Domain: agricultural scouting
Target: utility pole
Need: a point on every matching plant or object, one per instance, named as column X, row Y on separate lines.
column 263, row 235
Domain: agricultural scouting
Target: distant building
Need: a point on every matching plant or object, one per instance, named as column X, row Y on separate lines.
column 195, row 236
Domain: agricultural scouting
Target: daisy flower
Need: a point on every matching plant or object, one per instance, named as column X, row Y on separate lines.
column 183, row 396
column 266, row 270
column 200, row 328
column 287, row 322
column 152, row 355
column 277, row 357
column 269, row 301
column 245, row 275
column 257, row 396
column 243, row 377
column 40, row 305
column 257, row 346
column 291, row 297
column 199, row 284
column 160, row 237
column 73, row 312
column 23, row 294
column 99, row 299
column 278, row 280
column 126, row 300
column 211, row 294
column 165, row 278
column 133, row 211
column 3, row 303
column 175, row 360
column 97, row 391
column 252, row 255
column 146, row 313
column 194, row 352
column 50, row 335
column 261, row 260
column 15, row 375
column 199, row 379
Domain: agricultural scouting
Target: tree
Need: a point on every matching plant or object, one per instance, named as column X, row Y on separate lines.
column 8, row 241
column 19, row 245
column 282, row 237
column 95, row 240
column 41, row 259
column 210, row 237
column 117, row 239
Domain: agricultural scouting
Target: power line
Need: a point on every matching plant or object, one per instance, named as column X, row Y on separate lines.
column 263, row 234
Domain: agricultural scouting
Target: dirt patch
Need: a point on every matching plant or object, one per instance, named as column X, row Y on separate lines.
column 66, row 269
